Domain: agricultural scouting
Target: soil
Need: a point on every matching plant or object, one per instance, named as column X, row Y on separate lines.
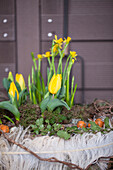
column 30, row 113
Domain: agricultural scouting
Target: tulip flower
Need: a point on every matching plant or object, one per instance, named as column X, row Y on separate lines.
column 12, row 90
column 55, row 84
column 19, row 78
column 10, row 76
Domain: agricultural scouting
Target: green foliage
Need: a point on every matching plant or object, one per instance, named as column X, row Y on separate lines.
column 46, row 126
column 6, row 83
column 94, row 126
column 38, row 92
column 36, row 85
column 50, row 104
column 106, row 122
column 8, row 106
column 13, row 104
column 7, row 117
column 63, row 134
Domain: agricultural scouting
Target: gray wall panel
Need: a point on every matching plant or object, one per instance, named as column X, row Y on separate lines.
column 27, row 34
column 52, row 6
column 7, row 7
column 91, row 27
column 7, row 52
column 91, row 7
column 94, row 51
column 91, row 95
column 7, row 26
column 54, row 27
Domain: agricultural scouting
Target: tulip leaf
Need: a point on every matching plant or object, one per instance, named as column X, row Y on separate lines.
column 62, row 92
column 29, row 86
column 53, row 103
column 72, row 97
column 8, row 106
column 43, row 104
column 6, row 83
column 7, row 117
column 18, row 86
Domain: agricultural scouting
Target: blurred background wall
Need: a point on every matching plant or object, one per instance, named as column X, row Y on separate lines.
column 29, row 26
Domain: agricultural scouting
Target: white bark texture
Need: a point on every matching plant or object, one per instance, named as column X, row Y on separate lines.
column 81, row 150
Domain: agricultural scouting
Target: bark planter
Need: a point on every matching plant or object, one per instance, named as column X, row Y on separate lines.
column 81, row 150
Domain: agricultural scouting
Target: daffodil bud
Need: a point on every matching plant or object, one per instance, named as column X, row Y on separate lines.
column 19, row 78
column 10, row 76
column 55, row 83
column 12, row 90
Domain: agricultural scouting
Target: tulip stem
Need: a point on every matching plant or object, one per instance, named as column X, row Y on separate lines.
column 53, row 96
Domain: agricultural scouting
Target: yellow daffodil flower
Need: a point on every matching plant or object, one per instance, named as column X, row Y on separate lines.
column 73, row 60
column 12, row 90
column 73, row 54
column 58, row 41
column 67, row 40
column 47, row 54
column 55, row 83
column 19, row 78
column 39, row 56
column 55, row 48
column 10, row 76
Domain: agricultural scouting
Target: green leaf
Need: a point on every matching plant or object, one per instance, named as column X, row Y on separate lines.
column 0, row 121
column 43, row 86
column 94, row 126
column 41, row 127
column 13, row 100
column 61, row 93
column 84, row 129
column 6, row 83
column 7, row 117
column 106, row 122
column 57, row 126
column 34, row 98
column 33, row 127
column 39, row 122
column 34, row 61
column 43, row 104
column 33, row 75
column 72, row 97
column 29, row 86
column 21, row 94
column 49, row 127
column 36, row 131
column 63, row 134
column 53, row 103
column 6, row 105
column 38, row 86
column 18, row 86
column 65, row 71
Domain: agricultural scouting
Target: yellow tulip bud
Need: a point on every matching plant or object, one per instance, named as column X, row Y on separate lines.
column 55, row 83
column 12, row 90
column 19, row 78
column 10, row 76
